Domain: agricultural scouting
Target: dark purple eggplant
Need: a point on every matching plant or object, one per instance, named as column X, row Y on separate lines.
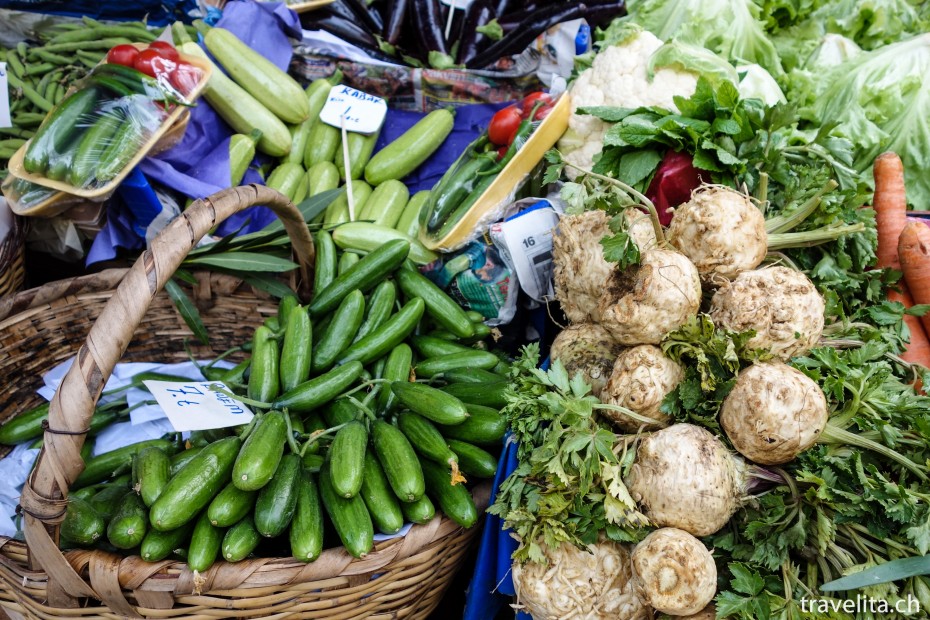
column 369, row 17
column 602, row 13
column 478, row 14
column 500, row 8
column 347, row 30
column 526, row 31
column 429, row 24
column 394, row 21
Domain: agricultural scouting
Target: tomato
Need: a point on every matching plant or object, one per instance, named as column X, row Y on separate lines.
column 124, row 54
column 530, row 100
column 165, row 50
column 152, row 63
column 501, row 152
column 542, row 112
column 513, row 135
column 185, row 77
column 503, row 123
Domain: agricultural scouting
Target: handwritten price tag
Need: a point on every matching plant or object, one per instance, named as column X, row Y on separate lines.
column 197, row 405
column 4, row 98
column 361, row 112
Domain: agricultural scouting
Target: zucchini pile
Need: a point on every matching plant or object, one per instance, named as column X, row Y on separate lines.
column 376, row 401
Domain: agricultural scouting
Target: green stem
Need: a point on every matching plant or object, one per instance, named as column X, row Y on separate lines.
column 314, row 437
column 762, row 189
column 784, row 223
column 781, row 258
column 810, row 238
column 629, row 413
column 242, row 399
column 653, row 214
column 835, row 435
column 291, row 442
column 368, row 412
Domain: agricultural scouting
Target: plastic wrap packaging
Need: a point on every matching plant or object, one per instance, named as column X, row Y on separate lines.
column 107, row 123
column 31, row 199
column 477, row 189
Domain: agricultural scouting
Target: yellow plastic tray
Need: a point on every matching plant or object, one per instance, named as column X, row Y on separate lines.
column 500, row 193
column 168, row 124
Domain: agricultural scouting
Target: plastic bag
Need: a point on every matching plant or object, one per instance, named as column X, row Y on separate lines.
column 107, row 123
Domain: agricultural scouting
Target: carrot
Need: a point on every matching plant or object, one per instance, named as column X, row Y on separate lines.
column 914, row 252
column 918, row 350
column 890, row 207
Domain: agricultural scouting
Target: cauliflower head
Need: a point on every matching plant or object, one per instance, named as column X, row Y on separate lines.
column 619, row 76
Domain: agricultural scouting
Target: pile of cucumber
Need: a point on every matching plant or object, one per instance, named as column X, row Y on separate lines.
column 375, row 403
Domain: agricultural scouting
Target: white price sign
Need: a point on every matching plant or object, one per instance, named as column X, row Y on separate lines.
column 4, row 98
column 197, row 405
column 356, row 110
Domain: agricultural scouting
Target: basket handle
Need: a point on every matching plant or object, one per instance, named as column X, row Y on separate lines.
column 44, row 496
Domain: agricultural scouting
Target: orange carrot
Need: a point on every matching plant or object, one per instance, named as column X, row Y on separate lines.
column 918, row 350
column 890, row 207
column 914, row 252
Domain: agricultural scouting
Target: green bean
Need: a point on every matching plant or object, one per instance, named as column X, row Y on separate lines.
column 102, row 44
column 17, row 132
column 94, row 56
column 42, row 85
column 53, row 78
column 100, row 32
column 30, row 93
column 28, row 119
column 59, row 93
column 43, row 67
column 16, row 65
column 22, row 48
column 58, row 59
column 90, row 64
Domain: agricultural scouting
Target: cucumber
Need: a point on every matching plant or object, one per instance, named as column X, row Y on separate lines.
column 465, row 360
column 386, row 203
column 454, row 500
column 240, row 540
column 129, row 524
column 59, row 129
column 426, row 439
column 341, row 411
column 443, row 309
column 471, row 375
column 400, row 462
column 306, row 535
column 182, row 458
column 320, row 390
column 474, row 461
column 379, row 498
column 271, row 86
column 338, row 210
column 94, row 141
column 360, row 147
column 322, row 176
column 296, row 349
column 102, row 466
column 243, row 112
column 366, row 237
column 484, row 426
column 264, row 379
column 349, row 516
column 420, row 511
column 391, row 333
column 430, row 346
column 205, row 544
column 313, row 463
column 431, row 403
column 230, row 505
column 341, row 331
column 347, row 458
column 159, row 545
column 412, row 148
column 367, row 273
column 380, row 306
column 313, row 423
column 82, row 524
column 347, row 261
column 487, row 394
column 274, row 507
column 154, row 472
column 321, row 145
column 325, row 269
column 409, row 222
column 260, row 454
column 192, row 488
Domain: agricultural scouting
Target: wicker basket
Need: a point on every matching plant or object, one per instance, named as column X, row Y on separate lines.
column 400, row 578
column 12, row 257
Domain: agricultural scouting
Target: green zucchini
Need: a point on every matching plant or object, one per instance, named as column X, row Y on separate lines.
column 412, row 148
column 321, row 145
column 386, row 204
column 322, row 176
column 366, row 237
column 338, row 210
column 409, row 222
column 360, row 147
